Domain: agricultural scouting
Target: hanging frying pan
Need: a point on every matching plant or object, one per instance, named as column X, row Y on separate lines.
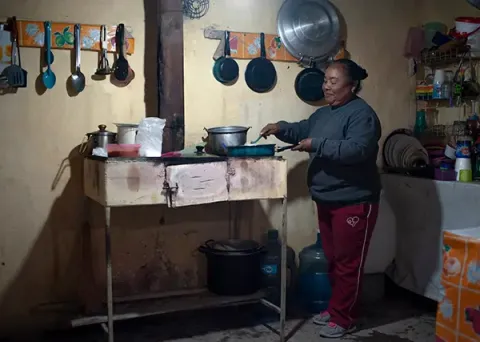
column 261, row 75
column 308, row 84
column 225, row 69
column 475, row 3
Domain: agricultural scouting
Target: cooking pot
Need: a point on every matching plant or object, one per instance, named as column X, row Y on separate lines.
column 126, row 133
column 220, row 138
column 233, row 266
column 100, row 138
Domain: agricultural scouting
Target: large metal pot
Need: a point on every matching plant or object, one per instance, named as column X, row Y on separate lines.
column 219, row 138
column 309, row 29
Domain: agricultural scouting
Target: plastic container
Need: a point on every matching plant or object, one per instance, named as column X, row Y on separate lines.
column 123, row 150
column 271, row 266
column 464, row 147
column 438, row 81
column 431, row 30
column 126, row 133
column 463, row 170
column 446, row 171
column 466, row 25
column 420, row 123
column 313, row 281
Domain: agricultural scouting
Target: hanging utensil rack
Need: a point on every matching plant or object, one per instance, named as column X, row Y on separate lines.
column 246, row 45
column 32, row 34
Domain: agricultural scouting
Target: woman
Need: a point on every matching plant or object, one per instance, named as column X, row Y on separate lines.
column 342, row 140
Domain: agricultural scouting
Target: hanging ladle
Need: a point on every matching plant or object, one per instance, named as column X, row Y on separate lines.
column 48, row 77
column 103, row 65
column 120, row 69
column 77, row 78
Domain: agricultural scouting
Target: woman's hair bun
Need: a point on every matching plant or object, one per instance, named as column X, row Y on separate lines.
column 362, row 73
column 355, row 72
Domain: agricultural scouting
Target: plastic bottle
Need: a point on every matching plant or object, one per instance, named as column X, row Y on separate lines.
column 314, row 283
column 420, row 123
column 437, row 90
column 438, row 81
column 271, row 267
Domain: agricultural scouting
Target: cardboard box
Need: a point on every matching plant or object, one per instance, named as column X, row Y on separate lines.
column 458, row 314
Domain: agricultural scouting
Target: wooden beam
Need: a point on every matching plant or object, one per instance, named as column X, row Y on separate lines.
column 170, row 73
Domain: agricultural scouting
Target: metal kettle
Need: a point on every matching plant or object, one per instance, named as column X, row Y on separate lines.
column 100, row 138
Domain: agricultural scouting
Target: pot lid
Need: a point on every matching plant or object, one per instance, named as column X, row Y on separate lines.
column 227, row 129
column 309, row 28
column 102, row 130
column 129, row 125
column 232, row 245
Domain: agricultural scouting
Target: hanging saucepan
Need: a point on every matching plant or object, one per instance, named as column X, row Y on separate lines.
column 225, row 69
column 261, row 75
column 308, row 84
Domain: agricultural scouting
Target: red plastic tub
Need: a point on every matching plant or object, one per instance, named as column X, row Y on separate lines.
column 123, row 150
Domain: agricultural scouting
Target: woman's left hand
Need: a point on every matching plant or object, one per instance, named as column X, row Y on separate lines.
column 304, row 146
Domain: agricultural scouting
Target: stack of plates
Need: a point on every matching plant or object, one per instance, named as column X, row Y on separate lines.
column 404, row 151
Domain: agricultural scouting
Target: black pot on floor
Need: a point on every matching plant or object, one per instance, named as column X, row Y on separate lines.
column 233, row 266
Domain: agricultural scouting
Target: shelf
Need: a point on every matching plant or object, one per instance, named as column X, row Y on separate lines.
column 433, row 104
column 439, row 57
column 144, row 308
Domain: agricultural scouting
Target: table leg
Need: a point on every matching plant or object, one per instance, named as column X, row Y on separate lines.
column 108, row 259
column 283, row 280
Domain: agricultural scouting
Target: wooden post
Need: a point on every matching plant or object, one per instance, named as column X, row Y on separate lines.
column 170, row 73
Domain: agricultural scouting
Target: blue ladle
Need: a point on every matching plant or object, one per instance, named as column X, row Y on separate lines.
column 48, row 76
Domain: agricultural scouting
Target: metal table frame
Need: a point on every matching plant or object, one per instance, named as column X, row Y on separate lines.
column 109, row 319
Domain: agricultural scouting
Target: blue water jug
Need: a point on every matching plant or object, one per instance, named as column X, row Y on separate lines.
column 313, row 283
column 271, row 266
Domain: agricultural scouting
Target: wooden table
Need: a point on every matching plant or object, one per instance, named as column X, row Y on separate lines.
column 179, row 182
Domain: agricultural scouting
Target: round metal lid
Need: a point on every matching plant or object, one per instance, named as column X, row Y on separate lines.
column 309, row 28
column 227, row 129
column 129, row 125
column 233, row 245
column 102, row 130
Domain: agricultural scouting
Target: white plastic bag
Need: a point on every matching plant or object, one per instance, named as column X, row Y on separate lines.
column 100, row 151
column 150, row 137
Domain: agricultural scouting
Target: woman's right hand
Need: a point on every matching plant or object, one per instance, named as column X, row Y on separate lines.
column 270, row 129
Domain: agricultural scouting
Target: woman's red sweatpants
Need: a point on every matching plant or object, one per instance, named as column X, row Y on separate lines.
column 346, row 232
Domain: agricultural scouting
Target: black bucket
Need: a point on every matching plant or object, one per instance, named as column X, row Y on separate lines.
column 233, row 266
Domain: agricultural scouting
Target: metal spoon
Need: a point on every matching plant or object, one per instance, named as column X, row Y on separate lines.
column 48, row 76
column 77, row 78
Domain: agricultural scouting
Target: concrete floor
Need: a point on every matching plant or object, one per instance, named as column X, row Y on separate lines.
column 400, row 317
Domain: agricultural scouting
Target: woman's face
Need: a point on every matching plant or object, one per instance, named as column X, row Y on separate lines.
column 336, row 86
